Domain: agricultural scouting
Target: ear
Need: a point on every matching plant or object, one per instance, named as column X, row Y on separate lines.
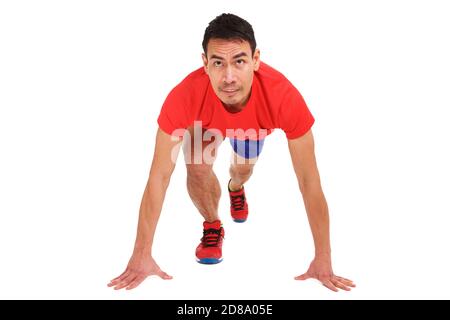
column 256, row 60
column 205, row 62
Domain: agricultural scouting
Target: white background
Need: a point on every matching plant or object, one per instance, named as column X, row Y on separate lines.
column 81, row 86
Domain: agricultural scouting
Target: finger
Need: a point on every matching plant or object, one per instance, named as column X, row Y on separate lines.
column 340, row 285
column 163, row 275
column 339, row 277
column 347, row 282
column 302, row 277
column 114, row 281
column 135, row 283
column 329, row 285
column 125, row 282
column 123, row 273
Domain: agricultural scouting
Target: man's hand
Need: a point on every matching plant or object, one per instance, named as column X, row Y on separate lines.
column 139, row 268
column 320, row 269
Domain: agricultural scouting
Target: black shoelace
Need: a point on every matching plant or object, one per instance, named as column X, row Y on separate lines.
column 211, row 237
column 238, row 202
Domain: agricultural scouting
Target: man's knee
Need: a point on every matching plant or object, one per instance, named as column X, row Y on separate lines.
column 241, row 170
column 198, row 171
column 200, row 146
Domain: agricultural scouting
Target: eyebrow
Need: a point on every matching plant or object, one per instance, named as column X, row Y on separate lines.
column 242, row 54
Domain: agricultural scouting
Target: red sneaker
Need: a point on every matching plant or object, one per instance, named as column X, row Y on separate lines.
column 209, row 251
column 238, row 207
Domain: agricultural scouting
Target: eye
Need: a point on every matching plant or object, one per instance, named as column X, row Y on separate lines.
column 217, row 63
column 240, row 61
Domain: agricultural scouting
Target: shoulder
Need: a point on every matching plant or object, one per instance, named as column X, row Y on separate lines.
column 272, row 80
column 270, row 75
column 274, row 85
column 190, row 90
column 194, row 81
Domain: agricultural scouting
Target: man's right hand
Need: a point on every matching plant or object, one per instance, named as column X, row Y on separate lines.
column 139, row 267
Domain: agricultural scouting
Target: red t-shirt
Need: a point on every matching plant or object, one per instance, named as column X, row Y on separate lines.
column 274, row 103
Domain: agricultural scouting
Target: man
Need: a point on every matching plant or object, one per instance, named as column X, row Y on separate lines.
column 233, row 95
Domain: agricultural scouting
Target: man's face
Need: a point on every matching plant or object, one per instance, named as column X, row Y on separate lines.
column 230, row 68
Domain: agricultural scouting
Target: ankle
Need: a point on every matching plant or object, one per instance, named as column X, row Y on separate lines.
column 211, row 219
column 233, row 187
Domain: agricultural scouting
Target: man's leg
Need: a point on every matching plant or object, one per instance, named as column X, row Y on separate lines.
column 204, row 190
column 243, row 161
column 202, row 183
column 240, row 171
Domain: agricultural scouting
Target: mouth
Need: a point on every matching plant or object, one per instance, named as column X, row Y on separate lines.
column 230, row 92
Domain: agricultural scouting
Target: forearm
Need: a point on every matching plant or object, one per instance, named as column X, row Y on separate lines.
column 149, row 212
column 317, row 211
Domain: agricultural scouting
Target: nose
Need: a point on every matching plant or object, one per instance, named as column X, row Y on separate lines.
column 229, row 76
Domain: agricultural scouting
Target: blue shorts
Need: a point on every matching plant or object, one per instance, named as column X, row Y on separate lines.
column 247, row 148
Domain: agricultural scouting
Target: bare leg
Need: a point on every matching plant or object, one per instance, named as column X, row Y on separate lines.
column 202, row 183
column 204, row 190
column 240, row 171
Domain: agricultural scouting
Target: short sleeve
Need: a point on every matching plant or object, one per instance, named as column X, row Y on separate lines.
column 295, row 119
column 173, row 118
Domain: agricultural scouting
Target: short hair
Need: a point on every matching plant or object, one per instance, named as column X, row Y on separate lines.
column 228, row 26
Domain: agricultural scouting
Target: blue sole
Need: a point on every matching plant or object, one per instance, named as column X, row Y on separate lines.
column 209, row 260
column 239, row 220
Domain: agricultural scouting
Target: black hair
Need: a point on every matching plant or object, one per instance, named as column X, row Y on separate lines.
column 228, row 26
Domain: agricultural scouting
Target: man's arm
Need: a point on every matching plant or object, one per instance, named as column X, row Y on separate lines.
column 142, row 264
column 305, row 167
